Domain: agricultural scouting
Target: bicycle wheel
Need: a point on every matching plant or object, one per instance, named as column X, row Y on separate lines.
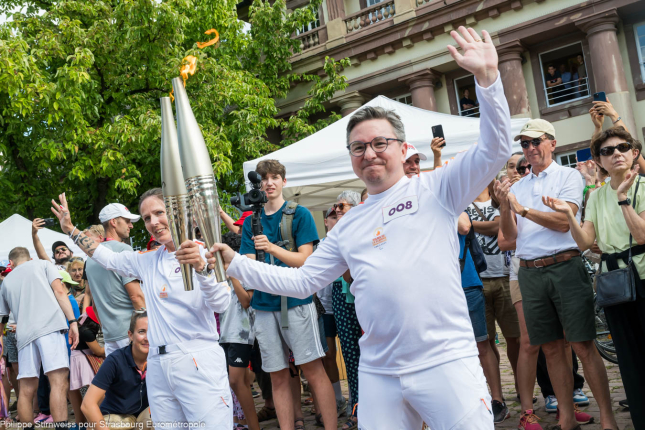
column 603, row 341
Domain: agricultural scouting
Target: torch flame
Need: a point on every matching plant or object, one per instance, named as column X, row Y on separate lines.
column 202, row 45
column 188, row 69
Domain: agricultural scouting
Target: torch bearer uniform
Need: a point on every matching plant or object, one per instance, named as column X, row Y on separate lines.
column 418, row 354
column 187, row 378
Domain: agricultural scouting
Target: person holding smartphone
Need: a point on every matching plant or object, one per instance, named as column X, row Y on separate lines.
column 60, row 250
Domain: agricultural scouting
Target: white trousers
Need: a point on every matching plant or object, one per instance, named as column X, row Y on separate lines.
column 110, row 347
column 190, row 386
column 451, row 396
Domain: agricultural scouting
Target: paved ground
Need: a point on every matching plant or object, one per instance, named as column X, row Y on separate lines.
column 508, row 384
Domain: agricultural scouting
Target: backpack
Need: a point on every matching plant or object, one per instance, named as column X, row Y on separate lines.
column 476, row 251
column 286, row 228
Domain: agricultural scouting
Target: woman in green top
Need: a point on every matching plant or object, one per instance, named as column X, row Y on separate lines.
column 610, row 218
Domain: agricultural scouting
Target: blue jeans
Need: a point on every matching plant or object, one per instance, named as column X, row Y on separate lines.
column 477, row 312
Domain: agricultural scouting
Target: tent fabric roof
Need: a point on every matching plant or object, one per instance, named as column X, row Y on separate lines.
column 319, row 166
column 16, row 231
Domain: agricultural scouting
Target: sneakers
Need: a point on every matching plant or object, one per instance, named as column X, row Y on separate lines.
column 42, row 418
column 529, row 421
column 624, row 403
column 341, row 407
column 579, row 398
column 581, row 417
column 500, row 411
column 551, row 404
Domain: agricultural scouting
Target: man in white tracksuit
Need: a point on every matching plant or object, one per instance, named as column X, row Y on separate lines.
column 187, row 380
column 418, row 354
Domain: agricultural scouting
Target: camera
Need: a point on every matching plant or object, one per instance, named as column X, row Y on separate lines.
column 256, row 198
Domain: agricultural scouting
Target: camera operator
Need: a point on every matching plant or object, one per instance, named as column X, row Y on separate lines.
column 300, row 316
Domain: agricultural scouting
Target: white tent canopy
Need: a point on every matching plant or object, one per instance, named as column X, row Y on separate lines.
column 319, row 166
column 16, row 231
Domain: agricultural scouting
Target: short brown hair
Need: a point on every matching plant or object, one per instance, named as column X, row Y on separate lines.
column 19, row 254
column 136, row 316
column 602, row 137
column 273, row 167
column 156, row 192
column 369, row 113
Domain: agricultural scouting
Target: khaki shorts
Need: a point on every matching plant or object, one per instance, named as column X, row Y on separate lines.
column 499, row 306
column 120, row 421
column 516, row 294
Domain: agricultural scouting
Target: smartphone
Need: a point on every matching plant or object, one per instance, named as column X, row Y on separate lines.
column 583, row 155
column 600, row 97
column 49, row 222
column 437, row 131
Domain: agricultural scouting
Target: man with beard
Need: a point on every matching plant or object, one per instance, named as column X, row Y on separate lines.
column 60, row 251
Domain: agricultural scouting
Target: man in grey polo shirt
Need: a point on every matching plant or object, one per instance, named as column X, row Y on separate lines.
column 557, row 296
column 115, row 297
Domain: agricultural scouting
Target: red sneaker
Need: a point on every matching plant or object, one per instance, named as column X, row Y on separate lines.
column 529, row 421
column 581, row 417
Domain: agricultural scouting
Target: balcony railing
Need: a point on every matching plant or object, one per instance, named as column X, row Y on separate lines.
column 312, row 38
column 370, row 15
column 567, row 92
column 472, row 112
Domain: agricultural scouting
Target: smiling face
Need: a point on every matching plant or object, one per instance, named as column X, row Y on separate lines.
column 139, row 337
column 412, row 166
column 153, row 213
column 62, row 254
column 618, row 162
column 379, row 170
column 75, row 270
column 513, row 176
column 540, row 156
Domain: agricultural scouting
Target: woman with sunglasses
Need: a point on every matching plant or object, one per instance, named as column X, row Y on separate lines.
column 611, row 219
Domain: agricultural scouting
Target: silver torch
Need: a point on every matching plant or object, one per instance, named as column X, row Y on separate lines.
column 175, row 196
column 198, row 174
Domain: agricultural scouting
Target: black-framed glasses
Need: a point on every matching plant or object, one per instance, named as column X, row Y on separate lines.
column 342, row 206
column 522, row 169
column 378, row 144
column 535, row 142
column 621, row 147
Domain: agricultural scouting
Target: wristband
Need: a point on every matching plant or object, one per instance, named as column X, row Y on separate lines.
column 72, row 232
column 588, row 187
column 619, row 118
column 73, row 321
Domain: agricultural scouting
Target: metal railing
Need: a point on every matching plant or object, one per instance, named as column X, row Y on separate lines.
column 370, row 15
column 567, row 92
column 472, row 112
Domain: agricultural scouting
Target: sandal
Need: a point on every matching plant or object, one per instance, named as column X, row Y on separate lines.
column 266, row 414
column 350, row 424
column 297, row 426
column 319, row 420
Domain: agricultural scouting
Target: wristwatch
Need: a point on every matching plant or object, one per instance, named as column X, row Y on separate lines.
column 525, row 211
column 625, row 202
column 205, row 271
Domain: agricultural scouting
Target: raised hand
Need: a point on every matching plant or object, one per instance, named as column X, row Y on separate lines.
column 479, row 54
column 556, row 204
column 62, row 213
column 436, row 145
column 501, row 190
column 188, row 253
column 36, row 225
column 624, row 186
column 588, row 170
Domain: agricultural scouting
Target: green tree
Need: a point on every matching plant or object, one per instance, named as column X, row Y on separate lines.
column 80, row 82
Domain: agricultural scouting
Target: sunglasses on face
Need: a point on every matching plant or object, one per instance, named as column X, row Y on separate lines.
column 621, row 147
column 61, row 249
column 378, row 144
column 342, row 206
column 522, row 169
column 535, row 142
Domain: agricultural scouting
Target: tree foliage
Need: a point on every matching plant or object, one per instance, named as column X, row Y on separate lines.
column 80, row 82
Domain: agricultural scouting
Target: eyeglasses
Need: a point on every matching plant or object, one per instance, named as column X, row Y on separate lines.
column 522, row 169
column 378, row 144
column 621, row 147
column 342, row 206
column 535, row 142
column 61, row 249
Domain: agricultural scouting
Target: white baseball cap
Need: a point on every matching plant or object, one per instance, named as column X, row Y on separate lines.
column 116, row 210
column 413, row 150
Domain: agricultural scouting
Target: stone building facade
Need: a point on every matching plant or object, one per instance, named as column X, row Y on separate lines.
column 398, row 49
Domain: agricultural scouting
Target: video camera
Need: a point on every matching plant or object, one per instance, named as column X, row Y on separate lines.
column 254, row 201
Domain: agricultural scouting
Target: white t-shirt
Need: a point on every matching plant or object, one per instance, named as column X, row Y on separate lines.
column 174, row 315
column 533, row 240
column 495, row 257
column 27, row 293
column 402, row 249
column 236, row 323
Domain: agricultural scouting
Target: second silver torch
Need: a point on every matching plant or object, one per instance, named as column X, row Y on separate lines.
column 198, row 174
column 175, row 195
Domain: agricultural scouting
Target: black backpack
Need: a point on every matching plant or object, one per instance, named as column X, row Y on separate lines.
column 476, row 252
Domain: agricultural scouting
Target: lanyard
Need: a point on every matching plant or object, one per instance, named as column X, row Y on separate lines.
column 142, row 373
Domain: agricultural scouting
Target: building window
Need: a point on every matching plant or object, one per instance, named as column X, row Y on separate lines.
column 564, row 74
column 567, row 159
column 466, row 96
column 639, row 32
column 313, row 24
column 405, row 99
